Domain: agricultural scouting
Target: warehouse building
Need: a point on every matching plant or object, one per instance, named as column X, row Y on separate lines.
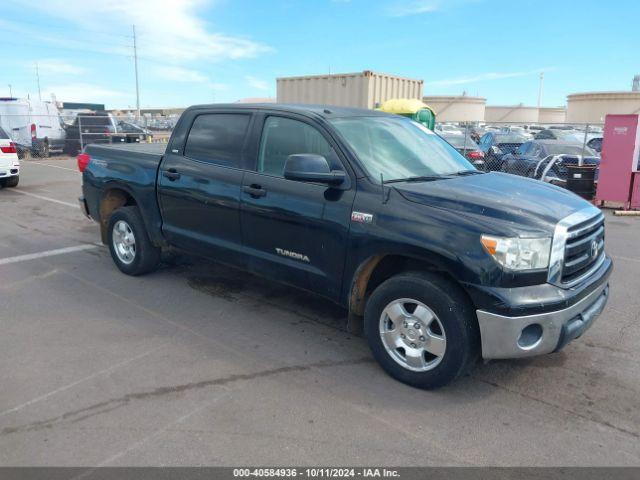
column 364, row 89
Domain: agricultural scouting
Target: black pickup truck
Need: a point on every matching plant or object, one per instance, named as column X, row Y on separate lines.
column 445, row 264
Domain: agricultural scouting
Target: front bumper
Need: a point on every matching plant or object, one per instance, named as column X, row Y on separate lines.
column 9, row 171
column 530, row 335
column 84, row 208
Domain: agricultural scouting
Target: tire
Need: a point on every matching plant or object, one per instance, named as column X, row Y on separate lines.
column 11, row 182
column 443, row 322
column 135, row 258
column 45, row 151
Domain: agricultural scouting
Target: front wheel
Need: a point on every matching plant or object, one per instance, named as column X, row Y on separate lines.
column 130, row 247
column 421, row 329
column 11, row 182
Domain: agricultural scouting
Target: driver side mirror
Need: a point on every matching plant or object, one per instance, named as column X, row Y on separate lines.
column 309, row 167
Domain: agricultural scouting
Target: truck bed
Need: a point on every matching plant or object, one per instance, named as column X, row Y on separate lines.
column 154, row 149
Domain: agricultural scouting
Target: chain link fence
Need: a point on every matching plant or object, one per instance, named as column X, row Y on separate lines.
column 539, row 151
column 43, row 136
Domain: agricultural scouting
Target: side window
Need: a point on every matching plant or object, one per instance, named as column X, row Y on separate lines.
column 522, row 149
column 217, row 138
column 282, row 137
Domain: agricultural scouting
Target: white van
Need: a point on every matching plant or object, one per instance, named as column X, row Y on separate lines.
column 9, row 163
column 33, row 125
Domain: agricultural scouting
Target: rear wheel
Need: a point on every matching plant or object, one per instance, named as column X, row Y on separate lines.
column 45, row 151
column 129, row 244
column 11, row 182
column 421, row 329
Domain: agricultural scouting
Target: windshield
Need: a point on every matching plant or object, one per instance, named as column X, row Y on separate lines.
column 461, row 141
column 559, row 149
column 3, row 135
column 398, row 148
column 510, row 138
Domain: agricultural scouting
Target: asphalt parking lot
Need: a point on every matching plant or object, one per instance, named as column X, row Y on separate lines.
column 198, row 364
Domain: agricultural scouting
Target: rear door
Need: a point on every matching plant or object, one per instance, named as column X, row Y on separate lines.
column 199, row 186
column 295, row 232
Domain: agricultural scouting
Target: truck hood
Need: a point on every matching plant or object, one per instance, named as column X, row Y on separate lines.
column 507, row 202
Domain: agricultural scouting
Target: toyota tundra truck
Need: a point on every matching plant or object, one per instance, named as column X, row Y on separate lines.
column 444, row 264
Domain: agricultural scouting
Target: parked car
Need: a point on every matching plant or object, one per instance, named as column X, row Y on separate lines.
column 495, row 145
column 556, row 133
column 88, row 128
column 9, row 163
column 133, row 133
column 445, row 263
column 467, row 148
column 33, row 124
column 595, row 144
column 448, row 129
column 529, row 159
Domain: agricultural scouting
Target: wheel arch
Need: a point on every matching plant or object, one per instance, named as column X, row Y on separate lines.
column 113, row 197
column 380, row 267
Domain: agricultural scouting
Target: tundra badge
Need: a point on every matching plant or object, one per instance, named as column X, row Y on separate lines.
column 360, row 217
column 294, row 255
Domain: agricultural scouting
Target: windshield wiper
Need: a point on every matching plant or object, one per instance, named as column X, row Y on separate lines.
column 423, row 178
column 463, row 173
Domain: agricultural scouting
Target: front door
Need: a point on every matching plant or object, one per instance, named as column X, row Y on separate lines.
column 199, row 188
column 294, row 231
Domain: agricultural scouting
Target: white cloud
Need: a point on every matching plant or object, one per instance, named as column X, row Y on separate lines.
column 53, row 66
column 484, row 77
column 179, row 74
column 80, row 92
column 170, row 30
column 257, row 83
column 418, row 7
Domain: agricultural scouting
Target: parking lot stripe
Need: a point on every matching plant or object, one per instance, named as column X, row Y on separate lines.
column 52, row 166
column 48, row 199
column 47, row 253
column 77, row 382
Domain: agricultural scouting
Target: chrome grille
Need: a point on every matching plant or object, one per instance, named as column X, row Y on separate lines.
column 584, row 249
column 578, row 247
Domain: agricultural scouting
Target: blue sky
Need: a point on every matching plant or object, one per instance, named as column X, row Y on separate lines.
column 200, row 51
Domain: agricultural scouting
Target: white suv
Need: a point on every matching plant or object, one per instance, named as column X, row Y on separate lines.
column 9, row 163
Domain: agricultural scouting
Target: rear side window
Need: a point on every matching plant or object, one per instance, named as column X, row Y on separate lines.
column 217, row 138
column 282, row 137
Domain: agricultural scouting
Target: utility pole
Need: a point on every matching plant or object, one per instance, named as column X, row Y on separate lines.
column 10, row 92
column 540, row 89
column 135, row 62
column 38, row 79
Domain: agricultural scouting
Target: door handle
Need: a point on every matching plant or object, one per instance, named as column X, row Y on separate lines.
column 256, row 191
column 172, row 174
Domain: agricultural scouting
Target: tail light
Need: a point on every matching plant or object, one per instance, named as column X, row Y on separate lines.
column 10, row 149
column 33, row 130
column 83, row 161
column 475, row 155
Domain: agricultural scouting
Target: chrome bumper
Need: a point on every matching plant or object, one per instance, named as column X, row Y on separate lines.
column 506, row 337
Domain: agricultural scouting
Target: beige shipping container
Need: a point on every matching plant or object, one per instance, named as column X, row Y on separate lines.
column 364, row 90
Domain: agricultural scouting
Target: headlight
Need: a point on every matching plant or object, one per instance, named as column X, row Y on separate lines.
column 518, row 253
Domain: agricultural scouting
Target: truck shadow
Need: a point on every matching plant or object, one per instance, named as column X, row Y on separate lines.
column 235, row 285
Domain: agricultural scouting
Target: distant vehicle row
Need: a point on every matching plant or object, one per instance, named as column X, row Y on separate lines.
column 545, row 159
column 36, row 127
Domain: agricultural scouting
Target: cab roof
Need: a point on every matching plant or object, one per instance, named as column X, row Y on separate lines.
column 323, row 111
